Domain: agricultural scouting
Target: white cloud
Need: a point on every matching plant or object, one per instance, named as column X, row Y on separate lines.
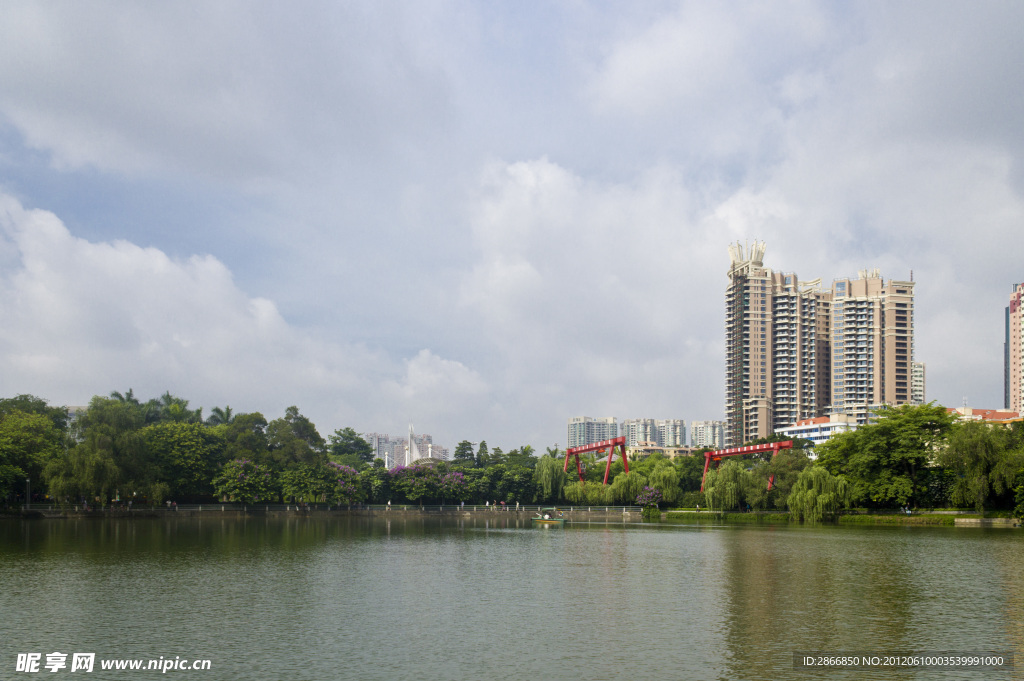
column 582, row 273
column 584, row 291
column 86, row 318
column 234, row 92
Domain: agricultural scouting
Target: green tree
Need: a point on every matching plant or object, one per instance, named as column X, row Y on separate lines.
column 627, row 486
column 30, row 404
column 513, row 483
column 588, row 493
column 524, row 456
column 374, row 483
column 109, row 452
column 219, row 416
column 817, row 495
column 245, row 437
column 84, row 472
column 691, row 471
column 482, row 456
column 294, row 439
column 725, row 485
column 28, row 442
column 887, row 462
column 783, row 470
column 464, row 454
column 187, row 457
column 415, row 483
column 300, row 483
column 345, row 488
column 246, row 481
column 349, row 448
column 175, row 409
column 453, row 486
column 978, row 456
column 549, row 479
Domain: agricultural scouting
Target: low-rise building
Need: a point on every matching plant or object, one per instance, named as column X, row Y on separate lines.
column 988, row 415
column 820, row 428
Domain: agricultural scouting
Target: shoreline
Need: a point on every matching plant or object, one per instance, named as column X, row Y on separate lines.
column 928, row 518
column 577, row 513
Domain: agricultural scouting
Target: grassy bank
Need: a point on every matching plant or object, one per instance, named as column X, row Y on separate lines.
column 895, row 518
column 899, row 519
column 727, row 517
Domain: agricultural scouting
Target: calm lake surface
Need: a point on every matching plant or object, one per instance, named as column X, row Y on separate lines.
column 493, row 598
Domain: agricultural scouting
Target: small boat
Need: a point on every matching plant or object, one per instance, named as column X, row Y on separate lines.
column 549, row 516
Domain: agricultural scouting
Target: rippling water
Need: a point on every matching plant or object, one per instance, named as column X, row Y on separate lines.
column 362, row 598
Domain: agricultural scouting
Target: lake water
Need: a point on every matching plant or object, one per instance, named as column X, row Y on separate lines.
column 494, row 598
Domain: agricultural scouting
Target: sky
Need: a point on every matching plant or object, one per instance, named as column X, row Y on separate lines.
column 483, row 218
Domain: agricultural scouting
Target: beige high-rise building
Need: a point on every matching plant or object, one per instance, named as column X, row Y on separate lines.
column 776, row 333
column 1013, row 352
column 795, row 351
column 872, row 343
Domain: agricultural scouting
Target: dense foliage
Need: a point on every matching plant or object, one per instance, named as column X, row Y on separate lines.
column 121, row 449
column 910, row 456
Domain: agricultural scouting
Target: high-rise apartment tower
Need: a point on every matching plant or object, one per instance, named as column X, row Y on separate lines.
column 776, row 345
column 872, row 343
column 795, row 351
column 1013, row 352
column 584, row 430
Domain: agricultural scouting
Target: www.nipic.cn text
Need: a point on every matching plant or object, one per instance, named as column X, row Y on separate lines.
column 86, row 662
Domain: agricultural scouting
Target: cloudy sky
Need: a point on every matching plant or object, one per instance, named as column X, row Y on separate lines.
column 483, row 218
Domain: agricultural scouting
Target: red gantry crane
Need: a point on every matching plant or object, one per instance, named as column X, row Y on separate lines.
column 717, row 456
column 610, row 445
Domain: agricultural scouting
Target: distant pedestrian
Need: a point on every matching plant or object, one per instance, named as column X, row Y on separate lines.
column 698, row 508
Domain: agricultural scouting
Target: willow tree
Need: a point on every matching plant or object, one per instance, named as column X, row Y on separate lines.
column 818, row 495
column 588, row 493
column 626, row 486
column 665, row 478
column 724, row 486
column 550, row 478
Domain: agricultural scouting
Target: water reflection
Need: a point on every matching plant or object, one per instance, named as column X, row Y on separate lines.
column 875, row 590
column 488, row 595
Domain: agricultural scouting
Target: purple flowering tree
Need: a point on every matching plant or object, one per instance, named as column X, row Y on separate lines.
column 415, row 483
column 345, row 487
column 453, row 486
column 649, row 497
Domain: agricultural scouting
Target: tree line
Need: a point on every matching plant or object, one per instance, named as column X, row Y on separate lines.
column 122, row 449
column 909, row 457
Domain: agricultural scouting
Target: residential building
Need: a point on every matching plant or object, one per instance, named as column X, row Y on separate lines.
column 395, row 450
column 917, row 383
column 795, row 351
column 777, row 331
column 820, row 428
column 707, row 434
column 872, row 343
column 671, row 432
column 1013, row 352
column 638, row 430
column 584, row 430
